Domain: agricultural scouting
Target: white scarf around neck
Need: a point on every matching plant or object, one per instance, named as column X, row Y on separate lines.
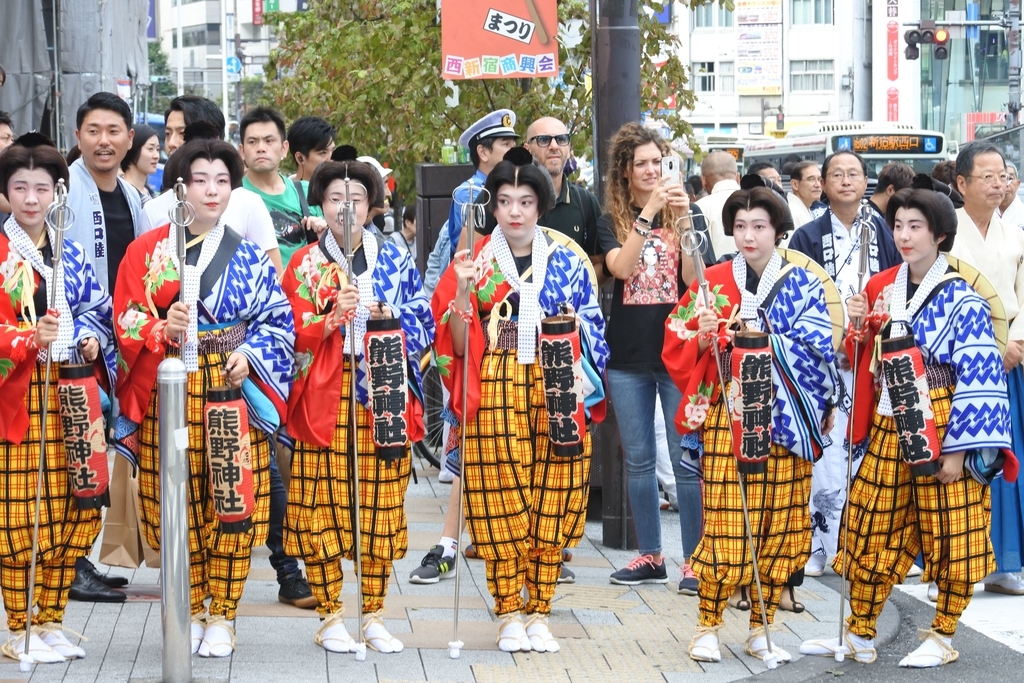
column 26, row 248
column 364, row 282
column 901, row 311
column 529, row 292
column 752, row 301
column 190, row 283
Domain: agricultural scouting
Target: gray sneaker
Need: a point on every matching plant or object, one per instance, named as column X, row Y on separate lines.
column 433, row 567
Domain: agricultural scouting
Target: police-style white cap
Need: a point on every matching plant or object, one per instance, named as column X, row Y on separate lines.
column 497, row 124
column 384, row 172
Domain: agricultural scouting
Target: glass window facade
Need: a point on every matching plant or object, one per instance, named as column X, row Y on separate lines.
column 811, row 75
column 812, row 11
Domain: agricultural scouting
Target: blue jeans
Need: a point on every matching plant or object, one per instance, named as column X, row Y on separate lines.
column 633, row 394
column 284, row 564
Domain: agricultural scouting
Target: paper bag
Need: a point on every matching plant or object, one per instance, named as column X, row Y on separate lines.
column 123, row 544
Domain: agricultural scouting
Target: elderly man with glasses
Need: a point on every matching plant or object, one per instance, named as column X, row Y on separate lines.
column 996, row 248
column 832, row 240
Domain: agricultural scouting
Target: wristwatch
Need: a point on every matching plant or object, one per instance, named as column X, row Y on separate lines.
column 642, row 226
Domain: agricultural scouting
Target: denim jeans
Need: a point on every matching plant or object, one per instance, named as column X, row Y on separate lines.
column 633, row 397
column 285, row 565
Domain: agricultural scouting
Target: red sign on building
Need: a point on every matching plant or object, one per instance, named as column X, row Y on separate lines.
column 257, row 12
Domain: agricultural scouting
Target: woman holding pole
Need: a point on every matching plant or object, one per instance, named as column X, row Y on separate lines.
column 751, row 348
column 527, row 453
column 223, row 311
column 932, row 450
column 54, row 304
column 355, row 296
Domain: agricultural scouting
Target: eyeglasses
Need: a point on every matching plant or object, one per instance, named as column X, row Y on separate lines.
column 838, row 176
column 545, row 140
column 989, row 179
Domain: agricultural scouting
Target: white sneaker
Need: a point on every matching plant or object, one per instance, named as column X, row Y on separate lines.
column 445, row 476
column 539, row 634
column 53, row 635
column 933, row 592
column 333, row 636
column 757, row 646
column 1004, row 583
column 935, row 650
column 815, row 565
column 219, row 638
column 377, row 637
column 862, row 649
column 512, row 634
column 198, row 631
column 38, row 651
column 704, row 645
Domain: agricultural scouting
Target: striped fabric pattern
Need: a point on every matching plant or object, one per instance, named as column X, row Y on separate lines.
column 893, row 516
column 65, row 532
column 778, row 505
column 219, row 563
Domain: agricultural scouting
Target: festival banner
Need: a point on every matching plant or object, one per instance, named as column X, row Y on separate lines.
column 499, row 39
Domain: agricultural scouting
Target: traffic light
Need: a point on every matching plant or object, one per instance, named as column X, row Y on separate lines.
column 913, row 38
column 941, row 38
column 927, row 30
column 780, row 120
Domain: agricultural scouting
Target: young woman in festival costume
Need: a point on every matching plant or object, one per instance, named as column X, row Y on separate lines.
column 761, row 291
column 938, row 506
column 238, row 332
column 523, row 502
column 78, row 325
column 325, row 297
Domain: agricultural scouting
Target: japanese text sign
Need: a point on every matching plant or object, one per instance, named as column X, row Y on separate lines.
column 499, row 39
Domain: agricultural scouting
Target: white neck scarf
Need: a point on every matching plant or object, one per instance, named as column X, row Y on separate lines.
column 364, row 282
column 752, row 301
column 190, row 282
column 529, row 292
column 901, row 311
column 23, row 245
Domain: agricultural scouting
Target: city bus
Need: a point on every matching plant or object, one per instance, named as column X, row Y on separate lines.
column 877, row 143
column 716, row 142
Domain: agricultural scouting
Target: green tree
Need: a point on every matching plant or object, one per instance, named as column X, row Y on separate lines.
column 161, row 93
column 373, row 69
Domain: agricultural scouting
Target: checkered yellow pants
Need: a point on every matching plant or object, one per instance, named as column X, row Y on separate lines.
column 65, row 532
column 893, row 516
column 523, row 504
column 318, row 524
column 218, row 562
column 777, row 502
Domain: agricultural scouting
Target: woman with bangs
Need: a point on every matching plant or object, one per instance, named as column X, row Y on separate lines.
column 523, row 502
column 224, row 314
column 756, row 292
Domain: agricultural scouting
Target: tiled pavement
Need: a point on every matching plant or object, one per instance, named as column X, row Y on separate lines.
column 607, row 632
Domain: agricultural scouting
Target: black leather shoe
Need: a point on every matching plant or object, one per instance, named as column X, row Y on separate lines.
column 108, row 580
column 85, row 588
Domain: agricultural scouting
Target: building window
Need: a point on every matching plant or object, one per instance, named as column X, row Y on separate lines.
column 726, row 77
column 704, row 76
column 812, row 11
column 704, row 17
column 709, row 77
column 811, row 75
column 206, row 34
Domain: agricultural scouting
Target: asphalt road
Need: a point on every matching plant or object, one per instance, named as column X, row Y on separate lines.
column 982, row 660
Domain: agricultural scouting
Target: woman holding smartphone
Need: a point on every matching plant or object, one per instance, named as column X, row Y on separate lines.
column 642, row 252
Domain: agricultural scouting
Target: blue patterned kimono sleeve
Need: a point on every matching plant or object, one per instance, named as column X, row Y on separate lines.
column 90, row 305
column 270, row 336
column 804, row 378
column 397, row 283
column 570, row 276
column 980, row 413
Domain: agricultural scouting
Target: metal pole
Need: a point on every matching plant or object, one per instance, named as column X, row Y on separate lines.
column 224, row 67
column 181, row 55
column 175, row 609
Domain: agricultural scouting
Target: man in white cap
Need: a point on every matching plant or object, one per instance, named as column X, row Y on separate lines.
column 488, row 139
column 380, row 209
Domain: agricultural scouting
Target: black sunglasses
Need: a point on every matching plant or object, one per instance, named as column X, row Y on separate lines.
column 545, row 140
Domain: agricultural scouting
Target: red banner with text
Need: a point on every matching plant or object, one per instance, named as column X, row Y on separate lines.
column 499, row 39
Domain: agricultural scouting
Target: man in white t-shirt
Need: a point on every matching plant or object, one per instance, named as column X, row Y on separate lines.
column 720, row 179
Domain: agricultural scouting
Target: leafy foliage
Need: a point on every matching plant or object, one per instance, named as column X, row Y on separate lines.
column 373, row 69
column 164, row 92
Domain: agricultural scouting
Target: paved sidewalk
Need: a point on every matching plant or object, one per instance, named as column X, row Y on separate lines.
column 607, row 632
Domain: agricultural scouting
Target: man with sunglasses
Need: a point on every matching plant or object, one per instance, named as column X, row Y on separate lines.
column 576, row 210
